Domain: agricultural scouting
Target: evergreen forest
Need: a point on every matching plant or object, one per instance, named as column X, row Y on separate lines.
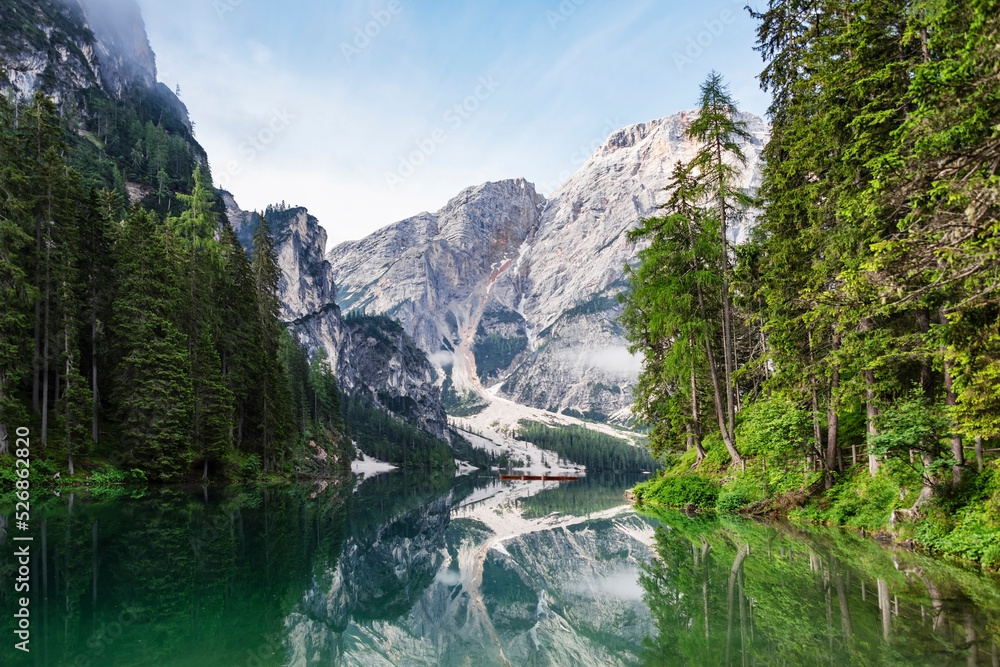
column 144, row 339
column 843, row 363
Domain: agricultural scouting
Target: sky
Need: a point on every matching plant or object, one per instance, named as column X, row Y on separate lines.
column 370, row 112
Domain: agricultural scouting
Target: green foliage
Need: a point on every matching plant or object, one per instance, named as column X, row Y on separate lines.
column 155, row 345
column 861, row 501
column 385, row 437
column 111, row 476
column 912, row 424
column 865, row 303
column 967, row 524
column 465, row 404
column 153, row 395
column 669, row 491
column 731, row 501
column 776, row 427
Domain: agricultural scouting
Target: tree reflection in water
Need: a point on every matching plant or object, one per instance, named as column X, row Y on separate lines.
column 732, row 592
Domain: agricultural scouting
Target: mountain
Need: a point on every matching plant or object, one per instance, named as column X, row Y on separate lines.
column 515, row 295
column 371, row 356
column 66, row 48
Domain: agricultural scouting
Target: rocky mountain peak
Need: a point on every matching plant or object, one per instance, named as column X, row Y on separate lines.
column 515, row 295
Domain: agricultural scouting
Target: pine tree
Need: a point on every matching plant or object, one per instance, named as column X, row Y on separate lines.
column 682, row 286
column 718, row 163
column 17, row 292
column 212, row 417
column 97, row 271
column 239, row 339
column 670, row 311
column 153, row 392
column 275, row 410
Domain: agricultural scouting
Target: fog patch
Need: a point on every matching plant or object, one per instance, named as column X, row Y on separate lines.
column 441, row 358
column 622, row 585
column 615, row 359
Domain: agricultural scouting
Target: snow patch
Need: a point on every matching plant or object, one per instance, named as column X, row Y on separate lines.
column 367, row 466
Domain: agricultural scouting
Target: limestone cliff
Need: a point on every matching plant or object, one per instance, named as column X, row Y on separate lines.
column 514, row 295
column 370, row 356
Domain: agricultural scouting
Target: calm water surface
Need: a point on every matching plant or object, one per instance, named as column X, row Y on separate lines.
column 423, row 570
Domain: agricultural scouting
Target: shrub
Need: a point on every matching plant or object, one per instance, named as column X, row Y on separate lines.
column 679, row 491
column 111, row 476
column 731, row 501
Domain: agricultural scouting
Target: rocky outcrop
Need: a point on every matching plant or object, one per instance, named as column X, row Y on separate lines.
column 439, row 273
column 373, row 356
column 66, row 47
column 514, row 295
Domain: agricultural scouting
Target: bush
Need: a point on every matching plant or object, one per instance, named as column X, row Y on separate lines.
column 864, row 501
column 244, row 466
column 112, row 476
column 731, row 501
column 679, row 491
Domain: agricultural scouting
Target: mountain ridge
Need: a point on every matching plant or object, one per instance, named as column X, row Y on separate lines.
column 514, row 295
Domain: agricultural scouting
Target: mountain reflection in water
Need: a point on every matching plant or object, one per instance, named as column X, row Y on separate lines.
column 418, row 569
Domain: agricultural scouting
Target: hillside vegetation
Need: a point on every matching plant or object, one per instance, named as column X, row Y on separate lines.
column 844, row 363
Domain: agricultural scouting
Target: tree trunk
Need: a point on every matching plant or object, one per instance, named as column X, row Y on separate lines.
column 727, row 438
column 814, row 400
column 93, row 369
column 832, row 421
column 727, row 315
column 870, row 410
column 36, row 358
column 69, row 378
column 951, row 400
column 927, row 490
column 883, row 605
column 45, row 348
column 926, row 374
column 695, row 418
column 979, row 453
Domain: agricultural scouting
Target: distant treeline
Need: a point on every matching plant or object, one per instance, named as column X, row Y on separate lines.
column 593, row 449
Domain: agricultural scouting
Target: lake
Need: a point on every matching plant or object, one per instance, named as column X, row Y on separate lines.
column 422, row 569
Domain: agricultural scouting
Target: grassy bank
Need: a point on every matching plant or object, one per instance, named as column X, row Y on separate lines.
column 961, row 522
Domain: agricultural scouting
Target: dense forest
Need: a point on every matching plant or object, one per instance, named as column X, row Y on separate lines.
column 846, row 357
column 146, row 342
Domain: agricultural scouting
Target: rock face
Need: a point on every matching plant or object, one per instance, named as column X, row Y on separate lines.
column 77, row 45
column 440, row 273
column 369, row 355
column 517, row 296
